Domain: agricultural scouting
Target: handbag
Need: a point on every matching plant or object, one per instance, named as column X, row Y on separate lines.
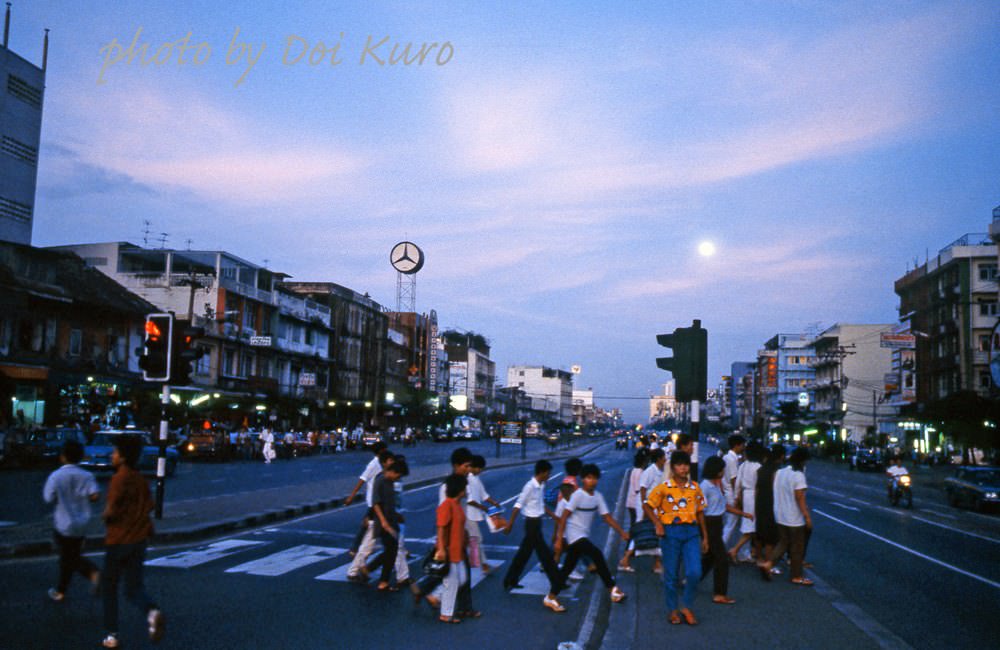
column 435, row 568
column 643, row 534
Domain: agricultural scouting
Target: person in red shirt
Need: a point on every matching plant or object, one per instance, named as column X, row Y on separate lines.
column 129, row 528
column 451, row 542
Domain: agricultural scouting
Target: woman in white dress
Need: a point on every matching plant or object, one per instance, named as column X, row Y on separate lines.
column 746, row 484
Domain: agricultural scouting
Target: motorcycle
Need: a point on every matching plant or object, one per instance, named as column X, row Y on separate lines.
column 901, row 491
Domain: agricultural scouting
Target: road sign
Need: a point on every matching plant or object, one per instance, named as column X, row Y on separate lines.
column 511, row 433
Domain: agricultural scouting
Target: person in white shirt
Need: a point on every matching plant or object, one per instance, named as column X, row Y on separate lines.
column 894, row 471
column 72, row 490
column 268, row 439
column 575, row 524
column 633, row 504
column 732, row 460
column 746, row 497
column 792, row 516
column 652, row 476
column 475, row 512
column 532, row 502
column 366, row 544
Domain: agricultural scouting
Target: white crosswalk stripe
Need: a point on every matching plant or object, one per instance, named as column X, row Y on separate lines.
column 204, row 554
column 287, row 560
column 536, row 583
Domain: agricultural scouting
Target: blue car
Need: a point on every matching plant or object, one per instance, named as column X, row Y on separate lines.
column 97, row 455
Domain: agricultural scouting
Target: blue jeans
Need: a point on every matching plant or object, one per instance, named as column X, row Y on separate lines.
column 681, row 541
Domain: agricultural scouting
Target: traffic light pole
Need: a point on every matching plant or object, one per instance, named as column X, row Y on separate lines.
column 695, row 430
column 161, row 458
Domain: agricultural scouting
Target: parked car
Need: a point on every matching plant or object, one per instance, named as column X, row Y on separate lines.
column 43, row 446
column 97, row 454
column 442, row 435
column 975, row 487
column 207, row 444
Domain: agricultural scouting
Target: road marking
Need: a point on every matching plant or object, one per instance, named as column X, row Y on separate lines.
column 963, row 532
column 217, row 480
column 514, row 498
column 864, row 503
column 7, row 523
column 940, row 514
column 203, row 554
column 841, row 505
column 290, row 559
column 536, row 583
column 995, row 585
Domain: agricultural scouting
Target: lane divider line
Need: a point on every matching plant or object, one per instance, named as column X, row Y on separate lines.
column 963, row 532
column 969, row 574
column 841, row 505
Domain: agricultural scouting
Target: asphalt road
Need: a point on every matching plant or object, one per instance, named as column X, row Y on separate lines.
column 195, row 479
column 285, row 586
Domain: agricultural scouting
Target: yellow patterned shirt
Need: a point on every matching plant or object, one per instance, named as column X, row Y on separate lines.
column 676, row 504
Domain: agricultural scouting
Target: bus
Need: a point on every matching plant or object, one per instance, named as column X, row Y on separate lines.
column 467, row 428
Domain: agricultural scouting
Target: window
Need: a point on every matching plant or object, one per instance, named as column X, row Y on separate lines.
column 988, row 272
column 984, row 342
column 24, row 91
column 204, row 364
column 75, row 342
column 19, row 150
column 984, row 380
column 988, row 308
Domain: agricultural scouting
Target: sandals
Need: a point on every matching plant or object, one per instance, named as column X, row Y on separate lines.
column 765, row 573
column 689, row 617
column 472, row 613
column 449, row 619
column 803, row 582
column 624, row 568
column 385, row 586
column 675, row 618
column 723, row 600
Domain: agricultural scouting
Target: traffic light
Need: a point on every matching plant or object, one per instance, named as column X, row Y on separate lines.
column 155, row 354
column 689, row 365
column 186, row 352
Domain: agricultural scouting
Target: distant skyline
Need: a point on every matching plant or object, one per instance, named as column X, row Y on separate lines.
column 559, row 170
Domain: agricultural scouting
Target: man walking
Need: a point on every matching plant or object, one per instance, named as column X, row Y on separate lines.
column 732, row 460
column 128, row 531
column 531, row 500
column 72, row 490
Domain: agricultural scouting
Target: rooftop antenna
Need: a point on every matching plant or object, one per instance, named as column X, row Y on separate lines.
column 146, row 223
column 45, row 50
column 163, row 239
column 6, row 27
column 266, row 262
column 189, row 241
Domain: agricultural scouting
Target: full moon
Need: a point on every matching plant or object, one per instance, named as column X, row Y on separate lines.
column 706, row 249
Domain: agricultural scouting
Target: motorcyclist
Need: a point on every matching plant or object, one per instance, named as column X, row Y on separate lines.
column 893, row 472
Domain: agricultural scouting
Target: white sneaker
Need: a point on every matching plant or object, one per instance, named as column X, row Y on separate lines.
column 617, row 595
column 110, row 641
column 553, row 604
column 55, row 595
column 576, row 575
column 156, row 623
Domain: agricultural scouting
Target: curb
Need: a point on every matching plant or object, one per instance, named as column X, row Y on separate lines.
column 196, row 532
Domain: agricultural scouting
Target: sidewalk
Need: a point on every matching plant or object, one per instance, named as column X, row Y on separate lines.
column 195, row 519
column 766, row 615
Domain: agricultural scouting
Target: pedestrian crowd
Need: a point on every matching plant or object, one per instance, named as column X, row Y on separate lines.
column 750, row 498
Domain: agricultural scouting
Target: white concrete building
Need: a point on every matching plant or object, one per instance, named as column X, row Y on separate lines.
column 665, row 405
column 260, row 336
column 850, row 382
column 550, row 390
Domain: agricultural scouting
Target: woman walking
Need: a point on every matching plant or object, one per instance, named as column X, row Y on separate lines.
column 633, row 503
column 715, row 508
column 746, row 483
column 792, row 515
column 765, row 525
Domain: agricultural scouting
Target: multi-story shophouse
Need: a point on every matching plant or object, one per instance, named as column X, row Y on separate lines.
column 358, row 349
column 265, row 345
column 472, row 372
column 787, row 361
column 550, row 390
column 950, row 303
column 68, row 336
column 851, row 366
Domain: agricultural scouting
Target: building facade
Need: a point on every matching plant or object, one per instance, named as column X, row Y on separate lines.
column 950, row 304
column 20, row 134
column 550, row 389
column 472, row 374
column 68, row 337
column 849, row 388
column 262, row 339
column 793, row 373
column 737, row 399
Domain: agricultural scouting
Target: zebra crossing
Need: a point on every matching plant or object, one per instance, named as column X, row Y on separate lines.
column 283, row 561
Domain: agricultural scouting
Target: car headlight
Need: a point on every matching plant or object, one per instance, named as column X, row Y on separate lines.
column 991, row 495
column 190, row 446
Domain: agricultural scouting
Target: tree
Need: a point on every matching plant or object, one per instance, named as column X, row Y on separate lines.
column 970, row 419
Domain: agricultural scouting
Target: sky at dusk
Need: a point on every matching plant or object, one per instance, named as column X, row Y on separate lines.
column 559, row 169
